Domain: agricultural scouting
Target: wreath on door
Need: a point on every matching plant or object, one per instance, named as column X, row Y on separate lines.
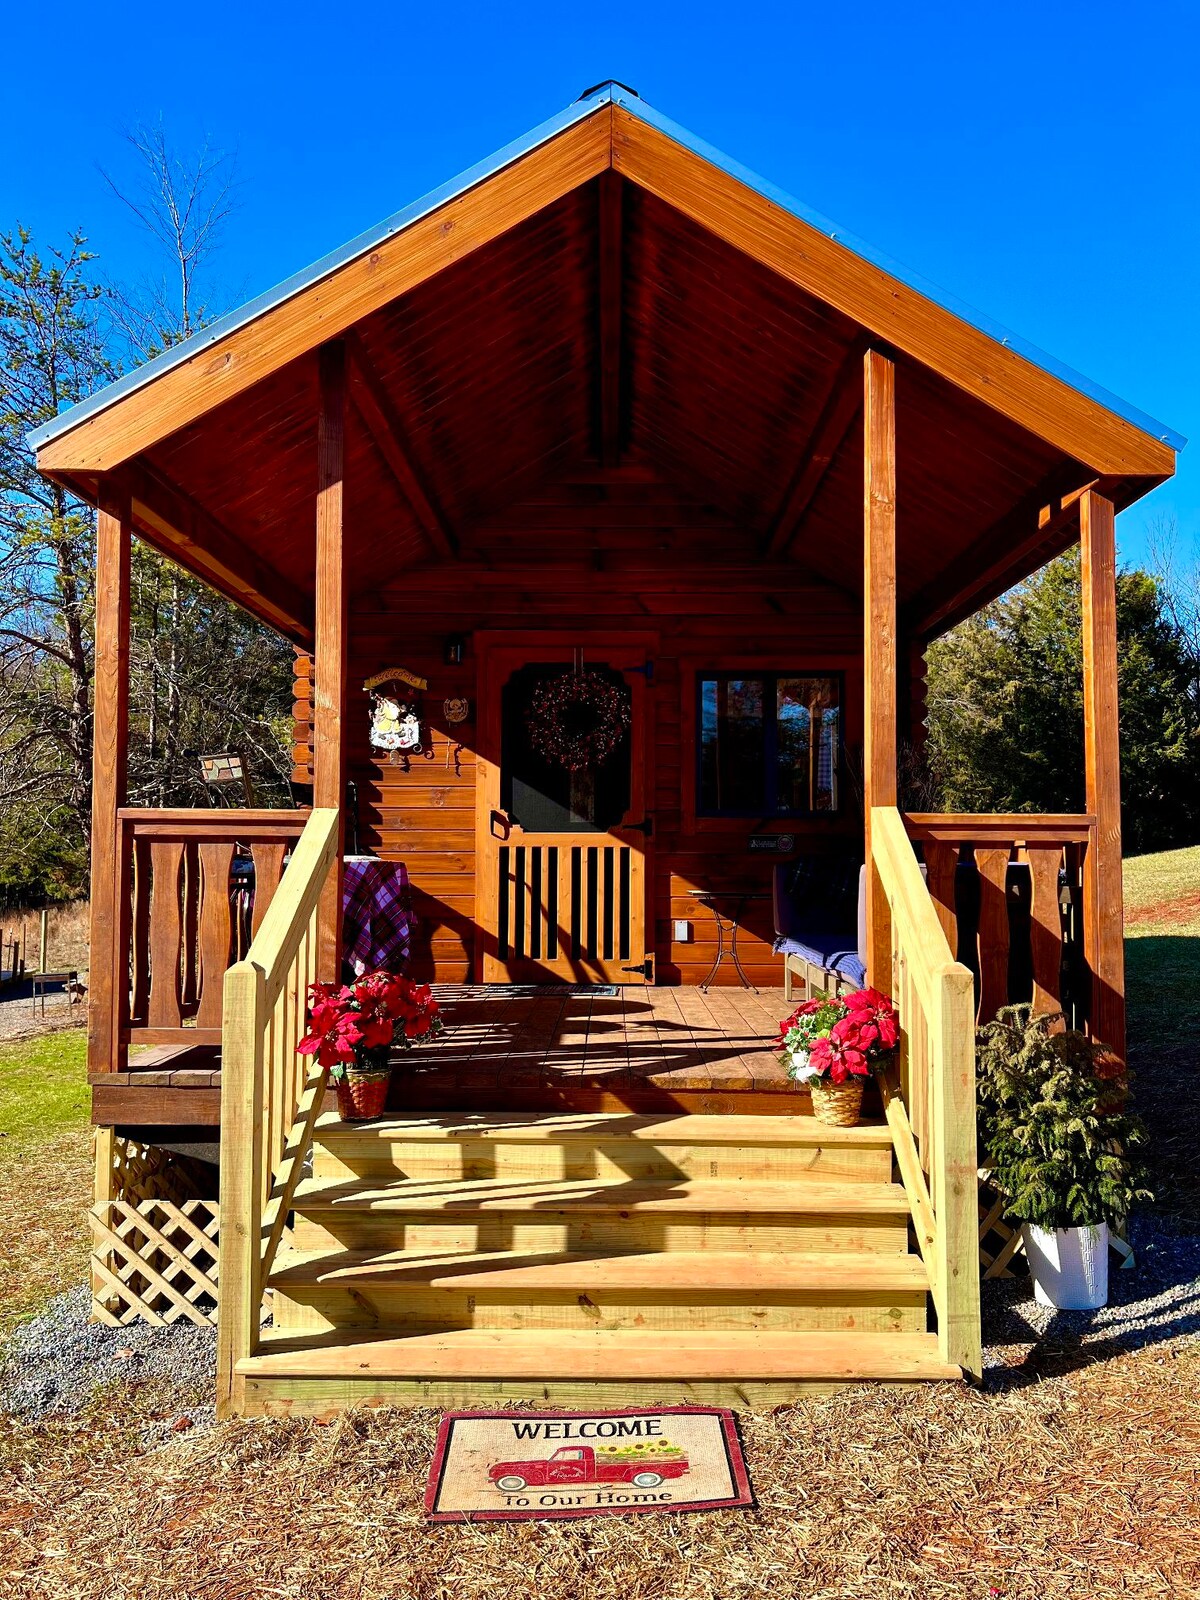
column 577, row 720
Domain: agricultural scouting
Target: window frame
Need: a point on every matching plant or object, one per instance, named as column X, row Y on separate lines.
column 770, row 674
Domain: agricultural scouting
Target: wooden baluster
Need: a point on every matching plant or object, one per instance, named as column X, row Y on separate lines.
column 993, row 930
column 941, row 867
column 268, row 870
column 1045, row 926
column 216, row 930
column 166, row 926
column 566, row 902
column 192, row 889
column 140, row 932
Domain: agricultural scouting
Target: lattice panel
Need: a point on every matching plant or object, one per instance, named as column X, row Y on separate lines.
column 146, row 1172
column 155, row 1261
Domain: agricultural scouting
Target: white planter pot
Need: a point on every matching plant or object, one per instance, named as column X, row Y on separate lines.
column 1069, row 1266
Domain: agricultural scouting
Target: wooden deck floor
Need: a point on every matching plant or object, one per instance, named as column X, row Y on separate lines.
column 637, row 1046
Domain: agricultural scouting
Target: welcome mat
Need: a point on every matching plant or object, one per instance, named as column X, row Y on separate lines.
column 507, row 1466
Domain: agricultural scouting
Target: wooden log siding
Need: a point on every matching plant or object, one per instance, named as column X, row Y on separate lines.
column 185, row 923
column 991, row 846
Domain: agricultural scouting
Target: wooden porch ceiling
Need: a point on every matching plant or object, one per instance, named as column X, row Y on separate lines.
column 608, row 326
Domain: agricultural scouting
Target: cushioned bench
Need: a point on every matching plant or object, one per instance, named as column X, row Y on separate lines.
column 817, row 902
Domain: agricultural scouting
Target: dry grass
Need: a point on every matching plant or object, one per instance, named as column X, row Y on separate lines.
column 66, row 935
column 1087, row 1484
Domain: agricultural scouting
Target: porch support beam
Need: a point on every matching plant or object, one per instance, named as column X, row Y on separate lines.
column 1102, row 890
column 383, row 423
column 879, row 635
column 108, row 984
column 1003, row 555
column 173, row 523
column 844, row 397
column 611, row 205
column 331, row 654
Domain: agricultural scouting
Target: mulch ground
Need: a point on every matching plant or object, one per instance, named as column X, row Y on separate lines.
column 1081, row 1484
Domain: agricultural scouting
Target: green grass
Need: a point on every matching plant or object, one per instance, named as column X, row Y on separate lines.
column 1162, row 947
column 43, row 1086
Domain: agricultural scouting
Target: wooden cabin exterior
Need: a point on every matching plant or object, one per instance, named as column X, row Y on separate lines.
column 606, row 399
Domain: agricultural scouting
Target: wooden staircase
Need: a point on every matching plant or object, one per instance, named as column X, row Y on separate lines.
column 592, row 1259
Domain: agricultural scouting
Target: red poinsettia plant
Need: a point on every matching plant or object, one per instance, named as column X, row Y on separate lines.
column 358, row 1025
column 839, row 1037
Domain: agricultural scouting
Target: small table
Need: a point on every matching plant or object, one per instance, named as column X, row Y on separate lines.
column 739, row 899
column 377, row 919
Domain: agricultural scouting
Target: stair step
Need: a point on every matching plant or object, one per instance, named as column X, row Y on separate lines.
column 553, row 1127
column 702, row 1272
column 558, row 1197
column 667, row 1291
column 600, row 1355
column 598, row 1215
column 618, row 1146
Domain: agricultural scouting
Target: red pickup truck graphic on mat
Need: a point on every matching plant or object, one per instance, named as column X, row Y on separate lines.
column 645, row 1466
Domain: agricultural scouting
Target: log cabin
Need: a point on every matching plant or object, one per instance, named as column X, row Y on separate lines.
column 606, row 408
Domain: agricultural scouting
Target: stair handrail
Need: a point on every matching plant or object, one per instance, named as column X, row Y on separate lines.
column 929, row 1099
column 270, row 1096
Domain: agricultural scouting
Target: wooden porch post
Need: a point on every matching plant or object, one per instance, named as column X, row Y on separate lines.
column 879, row 635
column 330, row 646
column 1103, row 900
column 108, row 983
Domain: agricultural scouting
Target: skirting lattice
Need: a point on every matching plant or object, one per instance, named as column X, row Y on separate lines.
column 154, row 1261
column 154, row 1236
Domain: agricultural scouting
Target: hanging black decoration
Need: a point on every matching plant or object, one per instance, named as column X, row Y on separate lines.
column 577, row 720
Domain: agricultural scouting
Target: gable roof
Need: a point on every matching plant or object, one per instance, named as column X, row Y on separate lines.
column 611, row 127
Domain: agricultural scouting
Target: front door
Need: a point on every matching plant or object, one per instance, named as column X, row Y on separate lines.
column 562, row 826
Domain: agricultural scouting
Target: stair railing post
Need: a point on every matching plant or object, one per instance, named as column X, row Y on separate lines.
column 239, row 1299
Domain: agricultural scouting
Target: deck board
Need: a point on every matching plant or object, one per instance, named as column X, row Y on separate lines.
column 672, row 1038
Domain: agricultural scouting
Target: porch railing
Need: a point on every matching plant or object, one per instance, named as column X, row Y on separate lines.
column 1008, row 893
column 270, row 1096
column 930, row 1099
column 200, row 884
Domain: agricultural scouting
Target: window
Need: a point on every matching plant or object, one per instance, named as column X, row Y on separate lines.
column 769, row 745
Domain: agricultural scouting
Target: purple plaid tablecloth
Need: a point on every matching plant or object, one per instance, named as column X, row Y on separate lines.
column 377, row 921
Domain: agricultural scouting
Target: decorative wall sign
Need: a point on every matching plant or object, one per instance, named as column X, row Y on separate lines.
column 396, row 717
column 456, row 710
column 509, row 1466
column 396, row 675
column 775, row 844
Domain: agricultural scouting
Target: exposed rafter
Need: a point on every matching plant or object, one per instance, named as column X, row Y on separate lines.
column 385, row 427
column 1004, row 554
column 842, row 404
column 169, row 519
column 611, row 276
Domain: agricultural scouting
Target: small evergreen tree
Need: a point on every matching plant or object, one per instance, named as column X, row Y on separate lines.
column 1055, row 1126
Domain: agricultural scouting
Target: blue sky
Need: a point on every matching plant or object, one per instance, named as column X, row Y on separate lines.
column 1038, row 161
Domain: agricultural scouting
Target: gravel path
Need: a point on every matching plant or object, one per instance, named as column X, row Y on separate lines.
column 1155, row 1300
column 56, row 1362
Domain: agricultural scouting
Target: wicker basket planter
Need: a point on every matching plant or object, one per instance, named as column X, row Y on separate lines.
column 838, row 1105
column 362, row 1094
